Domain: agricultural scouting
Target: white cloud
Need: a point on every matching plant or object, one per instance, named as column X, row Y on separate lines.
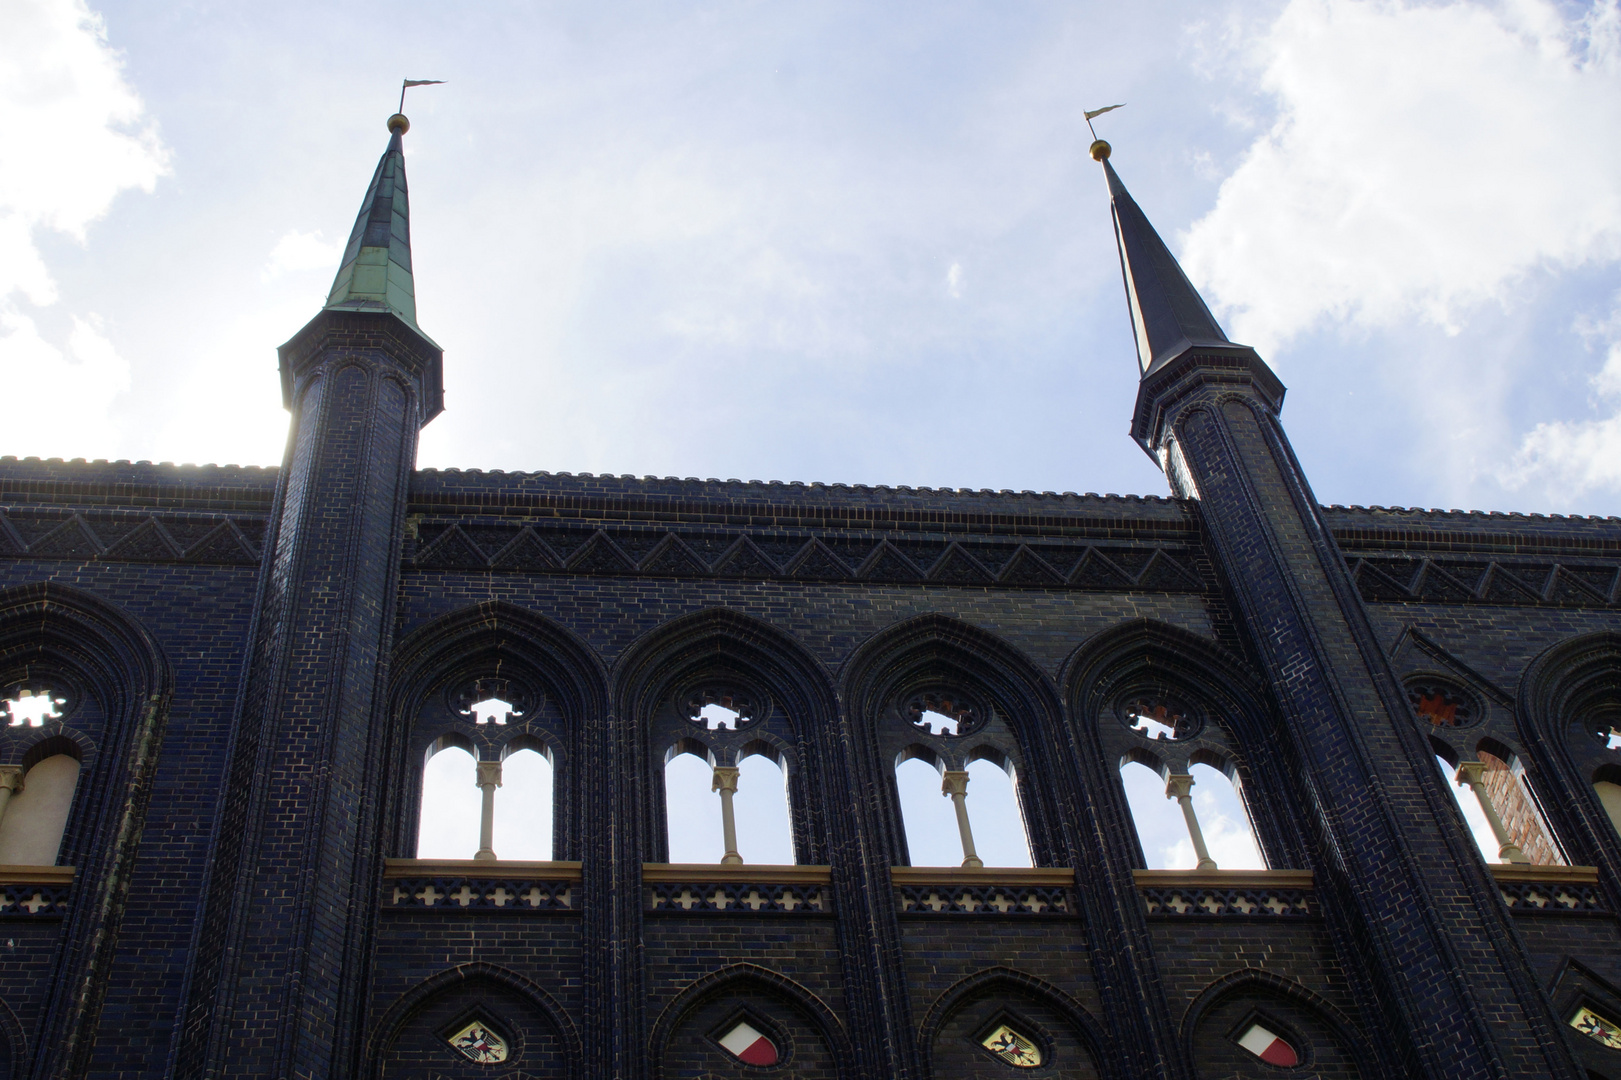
column 1569, row 458
column 71, row 142
column 1425, row 158
column 298, row 251
column 38, row 376
column 71, row 145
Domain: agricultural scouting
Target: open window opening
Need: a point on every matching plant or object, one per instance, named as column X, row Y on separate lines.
column 36, row 813
column 1189, row 821
column 764, row 831
column 1228, row 832
column 718, row 813
column 1509, row 790
column 451, row 804
column 1161, row 832
column 961, row 817
column 1498, row 806
column 690, row 812
column 1607, row 786
column 993, row 808
column 1479, row 828
column 523, row 805
column 929, row 820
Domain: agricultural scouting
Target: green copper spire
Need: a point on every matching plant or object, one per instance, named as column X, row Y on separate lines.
column 376, row 271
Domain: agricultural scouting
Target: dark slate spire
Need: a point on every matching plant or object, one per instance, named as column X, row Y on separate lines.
column 376, row 271
column 1167, row 313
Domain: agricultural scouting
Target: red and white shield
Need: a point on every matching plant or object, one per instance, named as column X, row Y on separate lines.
column 749, row 1046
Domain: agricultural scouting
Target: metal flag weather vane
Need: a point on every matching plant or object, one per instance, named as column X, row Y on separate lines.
column 437, row 82
column 1090, row 113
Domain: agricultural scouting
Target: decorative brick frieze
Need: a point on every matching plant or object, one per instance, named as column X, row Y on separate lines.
column 1551, row 890
column 130, row 536
column 762, row 554
column 799, row 890
column 34, row 892
column 33, row 901
column 989, row 891
column 725, row 896
column 1227, row 893
column 983, row 900
column 481, row 893
column 1464, row 578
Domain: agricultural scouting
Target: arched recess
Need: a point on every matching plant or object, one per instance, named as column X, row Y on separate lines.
column 719, row 647
column 488, row 644
column 1563, row 697
column 931, row 653
column 124, row 684
column 1329, row 1043
column 815, row 1044
column 1231, row 728
column 953, row 1031
column 541, row 1039
column 13, row 1043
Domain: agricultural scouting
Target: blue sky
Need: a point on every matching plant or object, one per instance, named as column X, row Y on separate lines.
column 833, row 242
column 838, row 242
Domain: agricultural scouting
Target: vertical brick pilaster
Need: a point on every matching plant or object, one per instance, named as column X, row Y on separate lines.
column 279, row 986
column 1451, row 977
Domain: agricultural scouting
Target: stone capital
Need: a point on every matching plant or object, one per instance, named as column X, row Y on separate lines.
column 725, row 778
column 954, row 782
column 1470, row 772
column 489, row 774
column 1178, row 786
column 11, row 778
column 1199, row 373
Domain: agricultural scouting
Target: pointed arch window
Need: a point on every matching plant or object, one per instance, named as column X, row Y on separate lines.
column 1179, row 772
column 726, row 776
column 1189, row 820
column 486, row 809
column 524, row 804
column 696, row 811
column 1497, row 803
column 451, row 802
column 995, row 833
column 956, row 779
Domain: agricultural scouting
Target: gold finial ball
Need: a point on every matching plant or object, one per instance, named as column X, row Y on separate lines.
column 398, row 124
column 1099, row 151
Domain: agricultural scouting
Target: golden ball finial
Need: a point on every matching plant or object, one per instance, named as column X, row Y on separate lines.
column 398, row 124
column 1100, row 150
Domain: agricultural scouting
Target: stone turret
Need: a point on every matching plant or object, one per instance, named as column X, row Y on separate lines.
column 297, row 861
column 1412, row 902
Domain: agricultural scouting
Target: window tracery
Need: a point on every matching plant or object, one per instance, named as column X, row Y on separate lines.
column 45, row 754
column 1182, row 783
column 941, row 729
column 717, row 708
column 27, row 706
column 1160, row 716
column 491, row 700
column 727, row 771
column 488, row 744
column 1442, row 702
column 1487, row 775
column 944, row 713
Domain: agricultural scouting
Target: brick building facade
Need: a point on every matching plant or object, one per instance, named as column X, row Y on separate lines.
column 223, row 685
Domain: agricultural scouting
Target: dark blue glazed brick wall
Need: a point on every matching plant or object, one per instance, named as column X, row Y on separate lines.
column 200, row 617
column 178, row 549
